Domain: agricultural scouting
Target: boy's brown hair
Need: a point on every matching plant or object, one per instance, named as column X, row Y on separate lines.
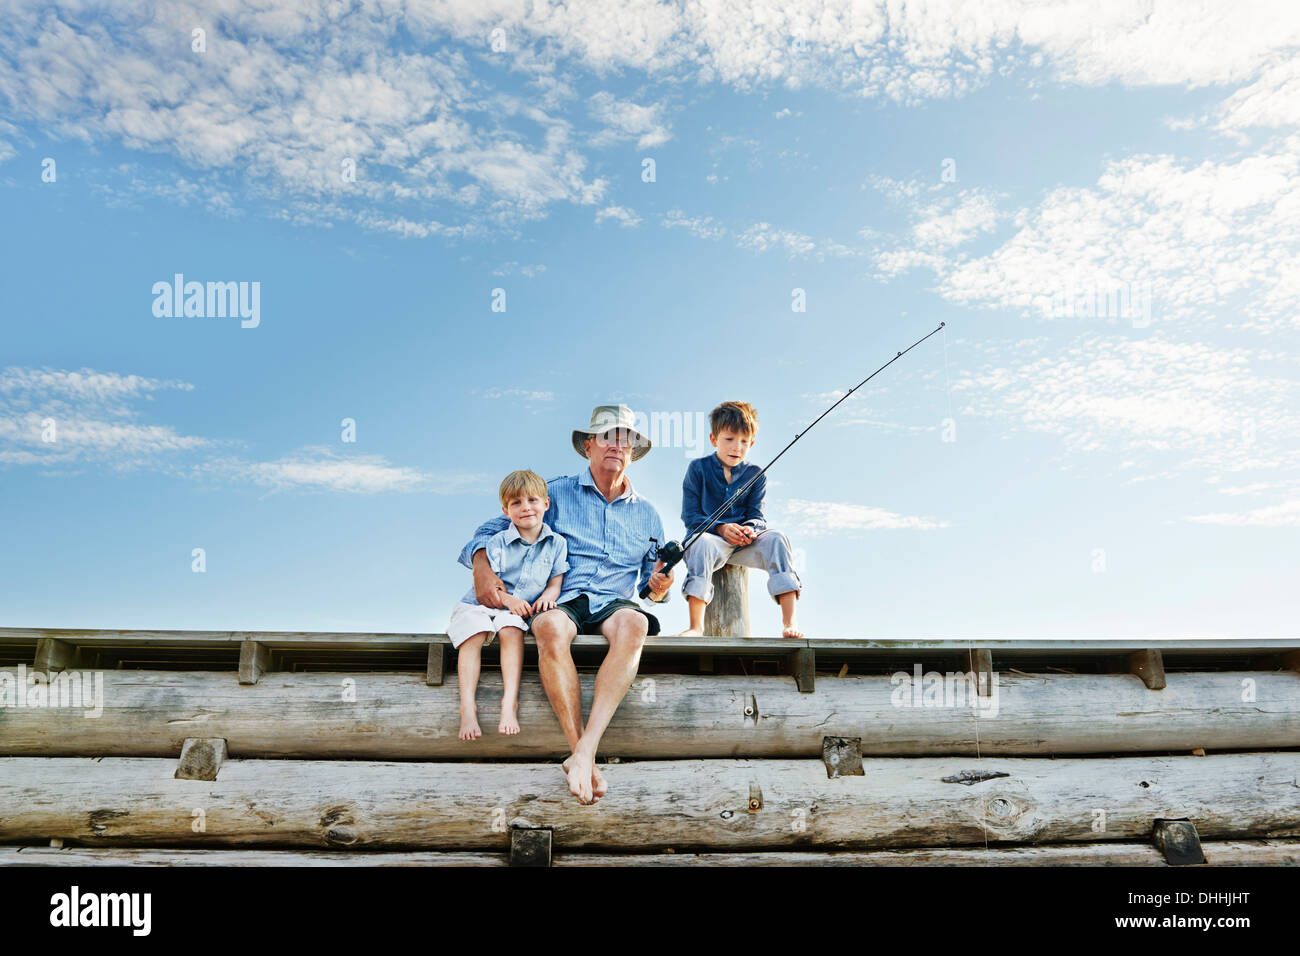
column 734, row 416
column 522, row 482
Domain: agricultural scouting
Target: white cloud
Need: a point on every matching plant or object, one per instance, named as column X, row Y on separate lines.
column 815, row 518
column 627, row 218
column 322, row 469
column 1193, row 235
column 1284, row 515
column 625, row 120
column 702, row 227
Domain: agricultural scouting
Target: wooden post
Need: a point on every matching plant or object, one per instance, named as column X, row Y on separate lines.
column 254, row 659
column 436, row 667
column 728, row 613
column 1149, row 665
column 55, row 655
column 201, row 758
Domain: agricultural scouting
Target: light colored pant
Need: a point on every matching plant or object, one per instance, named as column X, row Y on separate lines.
column 770, row 552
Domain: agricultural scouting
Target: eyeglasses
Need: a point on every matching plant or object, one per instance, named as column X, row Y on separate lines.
column 616, row 438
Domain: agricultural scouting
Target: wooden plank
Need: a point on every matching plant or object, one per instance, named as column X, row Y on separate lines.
column 201, row 758
column 55, row 655
column 405, row 640
column 1218, row 853
column 803, row 665
column 254, row 660
column 435, row 670
column 1149, row 666
column 651, row 805
column 396, row 716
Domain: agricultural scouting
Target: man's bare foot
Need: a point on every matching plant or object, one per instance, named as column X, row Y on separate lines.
column 469, row 729
column 792, row 630
column 580, row 770
column 599, row 787
column 692, row 632
column 509, row 721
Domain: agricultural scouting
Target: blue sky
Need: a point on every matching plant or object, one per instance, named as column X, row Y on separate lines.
column 1044, row 467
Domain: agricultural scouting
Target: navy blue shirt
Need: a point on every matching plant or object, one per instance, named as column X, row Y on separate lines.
column 705, row 488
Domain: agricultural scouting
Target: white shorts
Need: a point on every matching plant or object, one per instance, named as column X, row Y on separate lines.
column 470, row 619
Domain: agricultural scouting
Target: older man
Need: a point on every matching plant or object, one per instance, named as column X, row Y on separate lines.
column 613, row 536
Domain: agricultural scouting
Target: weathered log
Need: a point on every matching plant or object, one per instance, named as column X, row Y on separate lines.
column 727, row 615
column 397, row 716
column 1218, row 853
column 698, row 804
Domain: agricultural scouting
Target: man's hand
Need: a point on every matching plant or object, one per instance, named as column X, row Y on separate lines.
column 543, row 603
column 488, row 587
column 660, row 583
column 517, row 606
column 736, row 534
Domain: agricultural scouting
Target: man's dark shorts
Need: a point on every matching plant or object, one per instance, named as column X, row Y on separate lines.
column 589, row 623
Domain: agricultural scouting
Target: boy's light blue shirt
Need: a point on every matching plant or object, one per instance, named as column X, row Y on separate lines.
column 613, row 545
column 525, row 569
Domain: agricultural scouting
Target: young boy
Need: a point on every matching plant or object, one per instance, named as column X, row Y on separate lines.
column 531, row 560
column 740, row 535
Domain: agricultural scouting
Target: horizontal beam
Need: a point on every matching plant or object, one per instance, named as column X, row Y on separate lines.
column 398, row 716
column 1217, row 853
column 340, row 640
column 651, row 805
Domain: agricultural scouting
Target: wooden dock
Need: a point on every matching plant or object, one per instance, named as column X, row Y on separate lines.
column 202, row 748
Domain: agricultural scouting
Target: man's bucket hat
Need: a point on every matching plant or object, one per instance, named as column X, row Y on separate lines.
column 605, row 417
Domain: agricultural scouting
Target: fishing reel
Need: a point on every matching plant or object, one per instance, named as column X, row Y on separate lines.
column 670, row 553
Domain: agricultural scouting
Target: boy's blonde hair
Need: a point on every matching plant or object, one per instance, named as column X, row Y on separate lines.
column 734, row 416
column 521, row 482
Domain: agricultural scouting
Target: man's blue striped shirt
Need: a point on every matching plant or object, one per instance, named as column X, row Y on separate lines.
column 613, row 545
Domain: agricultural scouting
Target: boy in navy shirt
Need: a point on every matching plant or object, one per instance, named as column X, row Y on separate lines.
column 740, row 535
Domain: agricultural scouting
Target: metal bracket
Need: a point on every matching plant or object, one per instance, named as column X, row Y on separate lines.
column 842, row 756
column 530, row 846
column 1150, row 666
column 803, row 664
column 1178, row 841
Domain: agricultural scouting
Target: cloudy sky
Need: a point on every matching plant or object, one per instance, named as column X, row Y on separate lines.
column 468, row 222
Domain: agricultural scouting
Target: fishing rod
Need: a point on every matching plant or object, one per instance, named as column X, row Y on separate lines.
column 672, row 553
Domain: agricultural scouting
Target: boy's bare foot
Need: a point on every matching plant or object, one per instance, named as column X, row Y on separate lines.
column 469, row 729
column 581, row 771
column 692, row 632
column 509, row 721
column 598, row 785
column 791, row 630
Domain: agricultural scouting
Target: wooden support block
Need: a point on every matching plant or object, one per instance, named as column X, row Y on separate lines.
column 803, row 665
column 437, row 666
column 1178, row 841
column 530, row 846
column 1150, row 666
column 979, row 661
column 201, row 758
column 1291, row 660
column 55, row 655
column 727, row 615
column 254, row 660
column 706, row 663
column 842, row 756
